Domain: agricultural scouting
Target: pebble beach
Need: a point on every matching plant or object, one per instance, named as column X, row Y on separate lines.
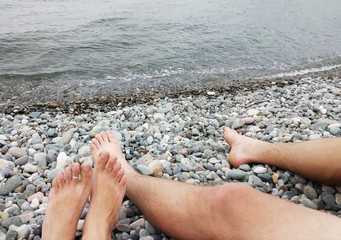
column 174, row 138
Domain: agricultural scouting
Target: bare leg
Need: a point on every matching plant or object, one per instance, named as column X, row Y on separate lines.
column 108, row 190
column 229, row 211
column 319, row 160
column 66, row 201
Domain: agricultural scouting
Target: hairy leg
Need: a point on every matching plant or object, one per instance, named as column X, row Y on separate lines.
column 108, row 190
column 319, row 160
column 229, row 211
column 70, row 191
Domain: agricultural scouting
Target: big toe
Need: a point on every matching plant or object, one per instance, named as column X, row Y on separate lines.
column 229, row 134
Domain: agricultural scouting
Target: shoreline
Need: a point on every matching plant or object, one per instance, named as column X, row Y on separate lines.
column 183, row 134
column 38, row 99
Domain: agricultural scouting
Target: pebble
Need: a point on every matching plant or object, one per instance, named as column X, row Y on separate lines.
column 23, row 231
column 338, row 198
column 143, row 169
column 275, row 177
column 21, row 161
column 38, row 195
column 138, row 224
column 178, row 139
column 300, row 179
column 265, row 177
column 34, row 203
column 30, row 168
column 237, row 174
column 11, row 235
column 11, row 184
column 308, row 203
column 245, row 167
column 15, row 220
column 63, row 160
column 259, row 170
column 17, row 152
column 238, row 123
column 328, row 198
column 310, row 192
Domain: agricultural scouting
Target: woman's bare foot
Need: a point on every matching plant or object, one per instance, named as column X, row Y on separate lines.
column 70, row 191
column 105, row 141
column 244, row 149
column 108, row 190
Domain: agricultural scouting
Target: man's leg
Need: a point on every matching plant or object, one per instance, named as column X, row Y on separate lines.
column 318, row 160
column 229, row 211
column 70, row 191
column 108, row 190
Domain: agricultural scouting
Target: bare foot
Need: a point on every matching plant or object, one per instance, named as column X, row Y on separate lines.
column 243, row 149
column 108, row 190
column 105, row 141
column 70, row 191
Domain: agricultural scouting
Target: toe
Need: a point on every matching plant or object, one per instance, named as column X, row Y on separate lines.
column 227, row 134
column 111, row 163
column 86, row 172
column 110, row 136
column 123, row 180
column 96, row 143
column 99, row 137
column 60, row 179
column 116, row 168
column 93, row 146
column 102, row 160
column 55, row 184
column 67, row 175
column 104, row 136
column 75, row 171
column 119, row 175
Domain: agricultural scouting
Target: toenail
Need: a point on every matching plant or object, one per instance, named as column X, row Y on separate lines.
column 86, row 168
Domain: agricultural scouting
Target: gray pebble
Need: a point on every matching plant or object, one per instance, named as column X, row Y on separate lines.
column 150, row 228
column 147, row 238
column 245, row 167
column 21, row 161
column 143, row 169
column 16, row 220
column 237, row 174
column 328, row 198
column 17, row 152
column 308, row 203
column 143, row 233
column 310, row 192
column 30, row 168
column 10, row 185
column 12, row 235
column 265, row 177
column 238, row 123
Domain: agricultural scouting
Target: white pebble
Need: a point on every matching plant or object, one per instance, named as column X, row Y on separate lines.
column 35, row 203
column 259, row 170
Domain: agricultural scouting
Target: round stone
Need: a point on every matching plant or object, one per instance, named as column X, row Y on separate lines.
column 237, row 174
column 259, row 170
column 310, row 192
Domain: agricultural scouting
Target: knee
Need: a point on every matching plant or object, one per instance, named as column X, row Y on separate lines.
column 231, row 193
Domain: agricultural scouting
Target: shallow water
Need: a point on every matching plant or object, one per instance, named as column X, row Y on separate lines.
column 124, row 42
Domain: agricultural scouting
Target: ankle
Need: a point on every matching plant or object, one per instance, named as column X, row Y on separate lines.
column 96, row 229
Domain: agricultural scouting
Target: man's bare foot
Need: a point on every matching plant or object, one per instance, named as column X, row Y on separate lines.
column 108, row 190
column 70, row 191
column 243, row 149
column 105, row 141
